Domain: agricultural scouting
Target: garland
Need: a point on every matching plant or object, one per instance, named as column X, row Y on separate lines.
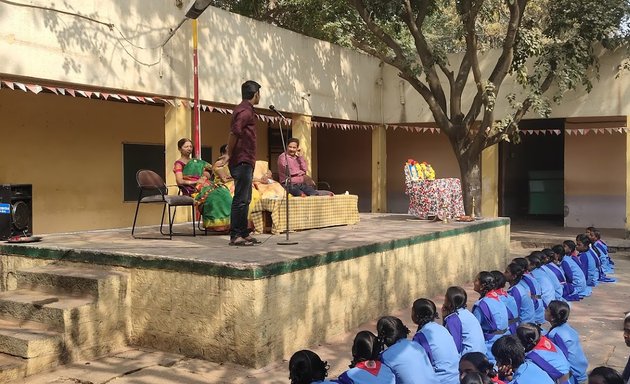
column 419, row 171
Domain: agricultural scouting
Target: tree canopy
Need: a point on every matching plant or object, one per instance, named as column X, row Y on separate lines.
column 550, row 46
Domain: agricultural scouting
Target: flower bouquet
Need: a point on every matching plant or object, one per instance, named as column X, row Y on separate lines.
column 419, row 171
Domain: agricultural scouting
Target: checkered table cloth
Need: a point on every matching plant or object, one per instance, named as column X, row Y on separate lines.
column 439, row 197
column 307, row 212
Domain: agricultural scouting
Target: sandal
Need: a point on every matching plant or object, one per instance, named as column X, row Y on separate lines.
column 252, row 240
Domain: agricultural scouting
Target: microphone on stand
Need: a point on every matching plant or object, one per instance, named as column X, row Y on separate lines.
column 273, row 108
column 287, row 181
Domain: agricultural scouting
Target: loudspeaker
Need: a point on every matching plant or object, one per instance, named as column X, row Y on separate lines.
column 16, row 210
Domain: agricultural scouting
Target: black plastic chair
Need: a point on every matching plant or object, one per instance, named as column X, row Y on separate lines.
column 153, row 190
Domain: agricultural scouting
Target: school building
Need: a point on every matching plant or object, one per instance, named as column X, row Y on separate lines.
column 90, row 94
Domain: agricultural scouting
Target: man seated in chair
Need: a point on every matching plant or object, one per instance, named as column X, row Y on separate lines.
column 300, row 184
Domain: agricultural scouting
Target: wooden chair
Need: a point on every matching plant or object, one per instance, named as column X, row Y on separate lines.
column 153, row 190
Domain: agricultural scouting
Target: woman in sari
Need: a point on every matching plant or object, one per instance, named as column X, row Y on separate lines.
column 222, row 177
column 213, row 199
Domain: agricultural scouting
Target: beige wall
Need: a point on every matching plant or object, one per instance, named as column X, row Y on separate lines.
column 70, row 149
column 232, row 49
column 402, row 145
column 595, row 180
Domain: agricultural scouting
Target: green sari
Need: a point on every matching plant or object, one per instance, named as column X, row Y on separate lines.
column 214, row 199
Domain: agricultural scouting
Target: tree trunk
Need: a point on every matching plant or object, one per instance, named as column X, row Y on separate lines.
column 470, row 167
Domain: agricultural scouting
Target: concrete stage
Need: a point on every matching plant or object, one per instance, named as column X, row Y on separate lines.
column 254, row 305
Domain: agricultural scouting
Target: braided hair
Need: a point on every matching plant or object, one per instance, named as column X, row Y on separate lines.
column 366, row 347
column 529, row 335
column 559, row 312
column 306, row 366
column 391, row 329
column 516, row 271
column 423, row 312
column 486, row 282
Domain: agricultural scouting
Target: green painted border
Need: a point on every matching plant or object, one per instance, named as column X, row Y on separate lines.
column 253, row 272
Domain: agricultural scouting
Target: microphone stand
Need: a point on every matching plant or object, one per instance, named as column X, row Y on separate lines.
column 287, row 180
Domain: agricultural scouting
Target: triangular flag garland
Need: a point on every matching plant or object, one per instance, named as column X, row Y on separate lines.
column 36, row 89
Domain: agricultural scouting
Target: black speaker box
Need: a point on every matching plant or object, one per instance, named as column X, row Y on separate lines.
column 16, row 210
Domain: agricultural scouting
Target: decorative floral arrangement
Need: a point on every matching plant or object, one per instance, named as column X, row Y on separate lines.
column 419, row 171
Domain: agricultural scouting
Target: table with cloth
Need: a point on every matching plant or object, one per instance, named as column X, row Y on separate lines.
column 306, row 212
column 440, row 197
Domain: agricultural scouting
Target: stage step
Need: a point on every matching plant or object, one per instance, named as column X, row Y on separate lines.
column 57, row 314
column 11, row 368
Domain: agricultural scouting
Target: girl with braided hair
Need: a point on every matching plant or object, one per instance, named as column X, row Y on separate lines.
column 366, row 366
column 520, row 292
column 544, row 353
column 491, row 313
column 436, row 341
column 305, row 367
column 406, row 358
column 567, row 339
column 461, row 323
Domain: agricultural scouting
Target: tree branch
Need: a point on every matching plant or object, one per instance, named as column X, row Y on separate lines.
column 424, row 51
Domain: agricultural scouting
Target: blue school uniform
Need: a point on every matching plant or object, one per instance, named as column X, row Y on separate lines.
column 555, row 282
column 409, row 362
column 324, row 382
column 465, row 331
column 530, row 373
column 368, row 372
column 548, row 357
column 589, row 267
column 536, row 293
column 601, row 274
column 568, row 290
column 524, row 303
column 574, row 274
column 441, row 350
column 493, row 317
column 608, row 266
column 513, row 317
column 548, row 293
column 568, row 340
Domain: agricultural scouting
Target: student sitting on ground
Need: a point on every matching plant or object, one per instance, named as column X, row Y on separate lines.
column 491, row 313
column 535, row 290
column 406, row 358
column 509, row 301
column 461, row 323
column 366, row 366
column 608, row 266
column 436, row 341
column 547, row 290
column 567, row 339
column 520, row 292
column 605, row 375
column 573, row 271
column 305, row 367
column 478, row 362
column 547, row 266
column 513, row 366
column 588, row 260
column 568, row 289
column 544, row 353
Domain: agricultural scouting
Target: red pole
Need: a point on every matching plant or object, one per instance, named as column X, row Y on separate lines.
column 196, row 106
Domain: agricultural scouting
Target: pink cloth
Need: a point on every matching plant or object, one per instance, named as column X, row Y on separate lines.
column 297, row 168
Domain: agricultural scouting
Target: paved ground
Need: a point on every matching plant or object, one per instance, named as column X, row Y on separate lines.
column 598, row 319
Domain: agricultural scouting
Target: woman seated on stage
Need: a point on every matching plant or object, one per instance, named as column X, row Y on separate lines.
column 213, row 199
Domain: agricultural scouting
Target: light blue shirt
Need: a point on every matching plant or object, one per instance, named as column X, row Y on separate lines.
column 466, row 331
column 409, row 362
column 568, row 340
column 530, row 373
column 548, row 292
column 442, row 352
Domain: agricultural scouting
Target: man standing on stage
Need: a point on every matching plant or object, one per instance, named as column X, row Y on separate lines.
column 242, row 158
column 301, row 183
